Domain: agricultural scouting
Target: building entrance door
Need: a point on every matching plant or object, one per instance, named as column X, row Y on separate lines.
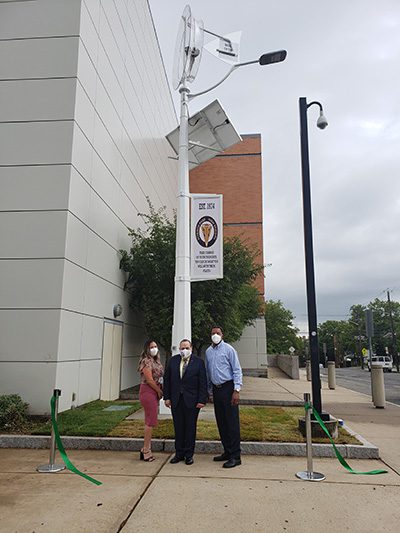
column 111, row 361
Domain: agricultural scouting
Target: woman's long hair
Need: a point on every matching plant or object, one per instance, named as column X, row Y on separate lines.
column 146, row 355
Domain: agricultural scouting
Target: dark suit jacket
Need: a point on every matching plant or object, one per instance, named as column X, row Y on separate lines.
column 193, row 385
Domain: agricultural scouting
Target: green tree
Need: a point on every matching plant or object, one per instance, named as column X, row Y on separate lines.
column 150, row 265
column 231, row 302
column 382, row 327
column 281, row 333
column 338, row 337
column 343, row 336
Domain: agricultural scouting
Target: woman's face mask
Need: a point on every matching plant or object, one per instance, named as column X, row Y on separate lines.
column 153, row 352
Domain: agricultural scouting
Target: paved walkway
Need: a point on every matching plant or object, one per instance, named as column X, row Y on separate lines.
column 261, row 495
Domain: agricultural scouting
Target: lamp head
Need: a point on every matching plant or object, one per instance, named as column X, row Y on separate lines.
column 273, row 57
column 322, row 122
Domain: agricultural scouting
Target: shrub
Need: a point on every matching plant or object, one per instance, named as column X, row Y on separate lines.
column 13, row 412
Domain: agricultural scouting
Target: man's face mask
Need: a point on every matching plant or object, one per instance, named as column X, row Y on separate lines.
column 216, row 338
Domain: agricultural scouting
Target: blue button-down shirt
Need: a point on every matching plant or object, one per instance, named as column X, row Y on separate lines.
column 222, row 364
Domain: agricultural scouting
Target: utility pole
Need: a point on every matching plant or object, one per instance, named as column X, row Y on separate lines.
column 360, row 356
column 394, row 341
column 335, row 351
column 369, row 329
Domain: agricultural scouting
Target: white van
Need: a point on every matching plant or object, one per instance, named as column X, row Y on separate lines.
column 385, row 360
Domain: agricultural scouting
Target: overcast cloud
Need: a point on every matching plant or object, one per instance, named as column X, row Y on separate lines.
column 346, row 54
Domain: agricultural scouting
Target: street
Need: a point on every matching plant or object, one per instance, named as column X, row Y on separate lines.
column 360, row 381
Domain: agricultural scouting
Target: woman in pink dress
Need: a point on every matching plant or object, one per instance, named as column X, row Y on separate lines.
column 150, row 392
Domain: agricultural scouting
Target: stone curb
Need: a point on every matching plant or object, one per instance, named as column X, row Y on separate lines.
column 349, row 451
column 275, row 403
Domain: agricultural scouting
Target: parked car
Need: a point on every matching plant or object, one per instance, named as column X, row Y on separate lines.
column 385, row 360
column 349, row 359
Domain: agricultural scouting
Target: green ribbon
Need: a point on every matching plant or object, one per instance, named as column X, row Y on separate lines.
column 338, row 454
column 61, row 448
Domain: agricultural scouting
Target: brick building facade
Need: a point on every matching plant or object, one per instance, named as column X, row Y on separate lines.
column 237, row 174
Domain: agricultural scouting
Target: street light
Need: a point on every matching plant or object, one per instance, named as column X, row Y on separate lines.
column 309, row 253
column 189, row 43
column 266, row 59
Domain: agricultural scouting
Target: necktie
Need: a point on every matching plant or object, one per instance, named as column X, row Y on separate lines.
column 184, row 366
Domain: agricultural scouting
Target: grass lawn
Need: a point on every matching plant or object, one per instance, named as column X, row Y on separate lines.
column 258, row 424
column 268, row 424
column 89, row 420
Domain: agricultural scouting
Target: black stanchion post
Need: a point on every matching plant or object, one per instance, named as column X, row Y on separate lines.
column 52, row 466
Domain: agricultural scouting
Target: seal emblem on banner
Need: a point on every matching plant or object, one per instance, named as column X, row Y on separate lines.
column 206, row 231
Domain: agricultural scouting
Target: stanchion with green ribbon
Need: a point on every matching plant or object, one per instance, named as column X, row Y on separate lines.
column 340, row 457
column 56, row 439
column 309, row 474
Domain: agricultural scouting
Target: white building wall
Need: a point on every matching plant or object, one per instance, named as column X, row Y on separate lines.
column 252, row 346
column 82, row 143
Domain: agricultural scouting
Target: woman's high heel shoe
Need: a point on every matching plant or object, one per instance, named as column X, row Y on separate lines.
column 141, row 455
column 147, row 456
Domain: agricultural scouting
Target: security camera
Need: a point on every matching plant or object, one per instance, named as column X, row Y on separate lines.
column 322, row 122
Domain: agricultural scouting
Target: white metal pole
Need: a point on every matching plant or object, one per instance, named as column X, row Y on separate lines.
column 182, row 325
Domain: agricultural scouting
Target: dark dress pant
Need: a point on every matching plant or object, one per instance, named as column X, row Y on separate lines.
column 227, row 416
column 185, row 424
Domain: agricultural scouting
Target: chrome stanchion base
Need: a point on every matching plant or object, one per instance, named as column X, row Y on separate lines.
column 310, row 476
column 50, row 468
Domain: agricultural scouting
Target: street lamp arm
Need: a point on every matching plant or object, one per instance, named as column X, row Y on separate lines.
column 266, row 59
column 234, row 67
column 315, row 103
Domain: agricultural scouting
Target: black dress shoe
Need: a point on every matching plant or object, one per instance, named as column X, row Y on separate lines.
column 176, row 459
column 222, row 457
column 231, row 463
column 189, row 461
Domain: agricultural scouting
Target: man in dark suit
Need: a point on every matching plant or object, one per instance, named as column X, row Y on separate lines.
column 185, row 392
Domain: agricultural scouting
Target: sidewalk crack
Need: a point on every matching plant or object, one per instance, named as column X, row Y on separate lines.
column 154, row 476
column 287, row 390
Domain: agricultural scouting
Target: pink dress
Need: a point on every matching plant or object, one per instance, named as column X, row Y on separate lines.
column 148, row 396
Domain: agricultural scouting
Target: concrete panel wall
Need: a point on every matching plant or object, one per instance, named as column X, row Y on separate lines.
column 289, row 364
column 28, row 336
column 252, row 347
column 85, row 107
column 38, row 64
column 37, row 58
column 123, row 110
column 24, row 20
column 22, row 187
column 34, row 382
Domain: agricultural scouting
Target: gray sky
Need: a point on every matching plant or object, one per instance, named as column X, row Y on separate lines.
column 346, row 55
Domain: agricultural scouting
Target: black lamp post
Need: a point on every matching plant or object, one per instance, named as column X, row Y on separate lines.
column 309, row 253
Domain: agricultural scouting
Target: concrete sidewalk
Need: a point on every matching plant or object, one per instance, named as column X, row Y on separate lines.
column 262, row 494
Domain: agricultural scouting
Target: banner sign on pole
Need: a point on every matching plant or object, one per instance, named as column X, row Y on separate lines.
column 206, row 237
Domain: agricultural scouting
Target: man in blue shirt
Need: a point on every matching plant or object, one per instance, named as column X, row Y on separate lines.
column 224, row 376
